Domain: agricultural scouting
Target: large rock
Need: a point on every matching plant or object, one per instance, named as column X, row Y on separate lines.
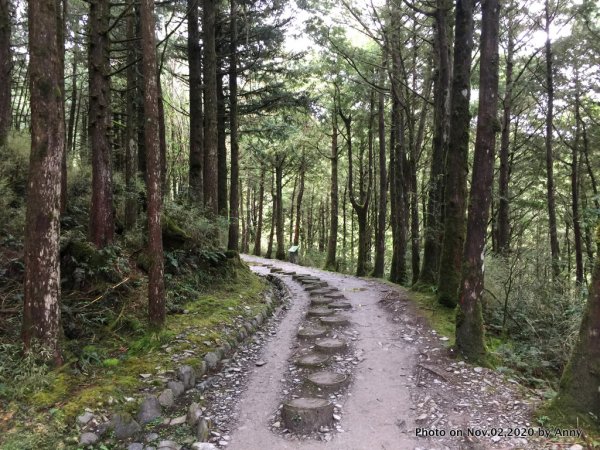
column 211, row 359
column 194, row 414
column 176, row 387
column 85, row 418
column 202, row 430
column 168, row 445
column 204, row 446
column 149, row 410
column 166, row 398
column 135, row 446
column 88, row 439
column 187, row 376
column 124, row 426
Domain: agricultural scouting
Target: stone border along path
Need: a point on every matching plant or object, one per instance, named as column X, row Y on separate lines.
column 156, row 408
column 358, row 397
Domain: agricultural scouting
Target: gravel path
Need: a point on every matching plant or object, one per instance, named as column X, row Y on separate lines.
column 375, row 412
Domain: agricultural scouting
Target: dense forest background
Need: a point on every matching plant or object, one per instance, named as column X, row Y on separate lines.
column 144, row 144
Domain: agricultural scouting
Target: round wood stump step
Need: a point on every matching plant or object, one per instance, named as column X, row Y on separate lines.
column 335, row 320
column 276, row 269
column 335, row 295
column 300, row 275
column 319, row 311
column 331, row 345
column 288, row 272
column 327, row 381
column 339, row 305
column 308, row 279
column 312, row 360
column 320, row 301
column 307, row 414
column 317, row 285
column 312, row 332
column 322, row 291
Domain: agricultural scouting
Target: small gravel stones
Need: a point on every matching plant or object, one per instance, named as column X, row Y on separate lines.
column 88, row 439
column 166, row 398
column 149, row 410
column 187, row 376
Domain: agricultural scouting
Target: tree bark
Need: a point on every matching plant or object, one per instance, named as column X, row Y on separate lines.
column 194, row 53
column 269, row 253
column 434, row 225
column 280, row 253
column 577, row 238
column 259, row 225
column 299, row 204
column 156, row 287
column 221, row 147
column 330, row 261
column 469, row 320
column 102, row 221
column 234, row 226
column 381, row 217
column 131, row 200
column 550, row 195
column 5, row 71
column 211, row 160
column 457, row 160
column 41, row 310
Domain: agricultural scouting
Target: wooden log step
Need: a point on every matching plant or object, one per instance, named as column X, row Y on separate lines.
column 311, row 332
column 315, row 286
column 319, row 311
column 339, row 305
column 312, row 360
column 335, row 295
column 322, row 291
column 288, row 272
column 335, row 320
column 276, row 269
column 330, row 345
column 307, row 414
column 320, row 301
column 327, row 381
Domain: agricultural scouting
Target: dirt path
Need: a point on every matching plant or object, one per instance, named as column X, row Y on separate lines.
column 375, row 413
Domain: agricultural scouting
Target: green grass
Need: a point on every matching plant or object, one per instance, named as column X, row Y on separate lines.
column 114, row 361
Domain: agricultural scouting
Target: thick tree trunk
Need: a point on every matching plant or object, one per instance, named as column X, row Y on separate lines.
column 61, row 14
column 291, row 223
column 234, row 227
column 280, row 253
column 299, row 205
column 73, row 103
column 5, row 71
column 550, row 196
column 577, row 238
column 221, row 147
column 259, row 225
column 457, row 160
column 469, row 321
column 434, row 225
column 269, row 253
column 196, row 128
column 503, row 222
column 156, row 287
column 41, row 310
column 211, row 160
column 330, row 261
column 131, row 200
column 381, row 217
column 162, row 137
column 102, row 221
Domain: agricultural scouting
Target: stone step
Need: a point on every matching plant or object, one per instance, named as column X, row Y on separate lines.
column 322, row 292
column 339, row 305
column 335, row 295
column 307, row 414
column 276, row 270
column 317, row 285
column 288, row 272
column 312, row 360
column 327, row 381
column 299, row 276
column 335, row 320
column 320, row 301
column 319, row 311
column 331, row 346
column 311, row 332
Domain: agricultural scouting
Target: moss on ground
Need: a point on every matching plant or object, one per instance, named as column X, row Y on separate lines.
column 106, row 373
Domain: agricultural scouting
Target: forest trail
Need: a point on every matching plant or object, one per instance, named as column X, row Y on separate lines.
column 376, row 409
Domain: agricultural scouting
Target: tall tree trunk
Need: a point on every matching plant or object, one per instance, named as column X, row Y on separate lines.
column 280, row 253
column 577, row 238
column 381, row 217
column 131, row 200
column 299, row 205
column 5, row 71
column 457, row 160
column 248, row 221
column 330, row 261
column 211, row 160
column 469, row 320
column 234, row 226
column 61, row 14
column 503, row 222
column 554, row 246
column 261, row 197
column 102, row 221
column 73, row 102
column 578, row 392
column 41, row 310
column 162, row 137
column 221, row 146
column 156, row 287
column 434, row 225
column 141, row 118
column 269, row 253
column 291, row 225
column 194, row 53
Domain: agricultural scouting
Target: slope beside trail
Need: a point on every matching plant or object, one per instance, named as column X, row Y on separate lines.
column 401, row 379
